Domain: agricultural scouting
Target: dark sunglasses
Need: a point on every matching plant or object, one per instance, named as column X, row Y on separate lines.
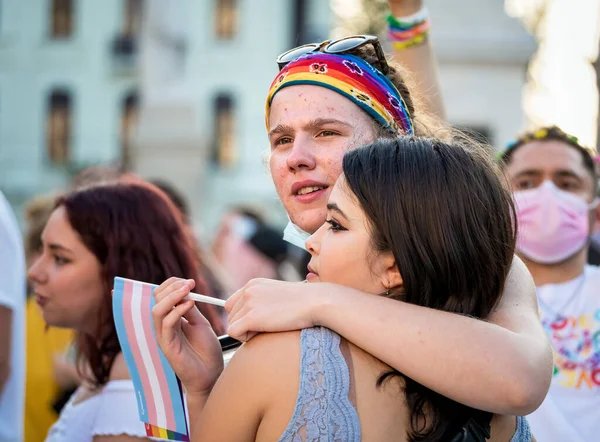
column 340, row 46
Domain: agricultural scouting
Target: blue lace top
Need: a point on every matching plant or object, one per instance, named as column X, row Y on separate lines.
column 323, row 410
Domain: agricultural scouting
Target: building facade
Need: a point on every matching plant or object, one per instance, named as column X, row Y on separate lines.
column 483, row 56
column 67, row 89
column 175, row 89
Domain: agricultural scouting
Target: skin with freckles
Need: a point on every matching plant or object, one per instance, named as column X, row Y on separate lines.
column 311, row 129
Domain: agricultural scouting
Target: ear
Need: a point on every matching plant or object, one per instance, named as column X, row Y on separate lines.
column 391, row 276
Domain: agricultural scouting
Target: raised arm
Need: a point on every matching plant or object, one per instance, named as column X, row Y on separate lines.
column 502, row 366
column 420, row 61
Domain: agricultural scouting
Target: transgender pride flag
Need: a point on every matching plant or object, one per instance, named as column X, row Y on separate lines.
column 159, row 395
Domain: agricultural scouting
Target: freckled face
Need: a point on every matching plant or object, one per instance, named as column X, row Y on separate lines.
column 312, row 128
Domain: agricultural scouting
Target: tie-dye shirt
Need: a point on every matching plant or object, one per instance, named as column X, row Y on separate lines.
column 570, row 314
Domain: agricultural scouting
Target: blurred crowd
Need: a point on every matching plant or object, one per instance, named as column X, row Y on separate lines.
column 60, row 338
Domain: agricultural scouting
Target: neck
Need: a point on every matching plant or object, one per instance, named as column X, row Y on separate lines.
column 559, row 272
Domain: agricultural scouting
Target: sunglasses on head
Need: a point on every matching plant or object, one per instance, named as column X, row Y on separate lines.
column 341, row 46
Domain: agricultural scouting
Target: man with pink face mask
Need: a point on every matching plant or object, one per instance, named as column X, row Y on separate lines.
column 554, row 183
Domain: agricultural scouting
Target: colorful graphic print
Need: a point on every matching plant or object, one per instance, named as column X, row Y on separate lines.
column 576, row 344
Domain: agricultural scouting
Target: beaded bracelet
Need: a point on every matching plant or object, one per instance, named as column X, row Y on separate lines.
column 406, row 32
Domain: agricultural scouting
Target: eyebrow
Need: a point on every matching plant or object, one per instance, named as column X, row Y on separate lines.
column 280, row 128
column 59, row 247
column 318, row 122
column 528, row 172
column 312, row 125
column 561, row 173
column 568, row 173
column 334, row 207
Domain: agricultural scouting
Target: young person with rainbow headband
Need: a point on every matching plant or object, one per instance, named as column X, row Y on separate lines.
column 318, row 110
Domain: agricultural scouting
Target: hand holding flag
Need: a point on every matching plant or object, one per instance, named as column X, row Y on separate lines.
column 186, row 337
column 188, row 344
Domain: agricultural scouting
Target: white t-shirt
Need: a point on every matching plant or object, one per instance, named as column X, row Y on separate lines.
column 12, row 295
column 570, row 314
column 113, row 411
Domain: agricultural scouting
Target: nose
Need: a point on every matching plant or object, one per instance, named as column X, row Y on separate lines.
column 302, row 155
column 36, row 271
column 313, row 243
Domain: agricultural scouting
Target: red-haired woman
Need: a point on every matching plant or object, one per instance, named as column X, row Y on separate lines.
column 129, row 229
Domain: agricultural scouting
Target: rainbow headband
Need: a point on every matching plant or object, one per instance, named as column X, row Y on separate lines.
column 351, row 77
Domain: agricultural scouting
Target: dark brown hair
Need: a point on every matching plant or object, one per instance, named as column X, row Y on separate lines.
column 135, row 232
column 446, row 215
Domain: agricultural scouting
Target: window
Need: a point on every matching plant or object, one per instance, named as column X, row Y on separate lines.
column 226, row 19
column 129, row 119
column 58, row 127
column 224, row 153
column 125, row 45
column 62, row 18
column 133, row 18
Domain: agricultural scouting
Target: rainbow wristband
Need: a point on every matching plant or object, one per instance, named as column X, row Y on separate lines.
column 420, row 29
column 409, row 21
column 405, row 32
column 417, row 41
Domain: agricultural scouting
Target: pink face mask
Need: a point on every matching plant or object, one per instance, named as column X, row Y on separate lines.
column 553, row 224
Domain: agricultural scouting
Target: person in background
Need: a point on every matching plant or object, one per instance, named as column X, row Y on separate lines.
column 48, row 374
column 235, row 216
column 554, row 182
column 94, row 176
column 94, row 234
column 246, row 247
column 12, row 327
column 594, row 249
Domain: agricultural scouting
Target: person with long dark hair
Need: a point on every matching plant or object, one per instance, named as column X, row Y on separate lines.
column 126, row 228
column 327, row 99
column 410, row 219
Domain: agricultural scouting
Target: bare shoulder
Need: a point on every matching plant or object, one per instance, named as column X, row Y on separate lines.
column 268, row 349
column 262, row 372
column 266, row 366
column 119, row 370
